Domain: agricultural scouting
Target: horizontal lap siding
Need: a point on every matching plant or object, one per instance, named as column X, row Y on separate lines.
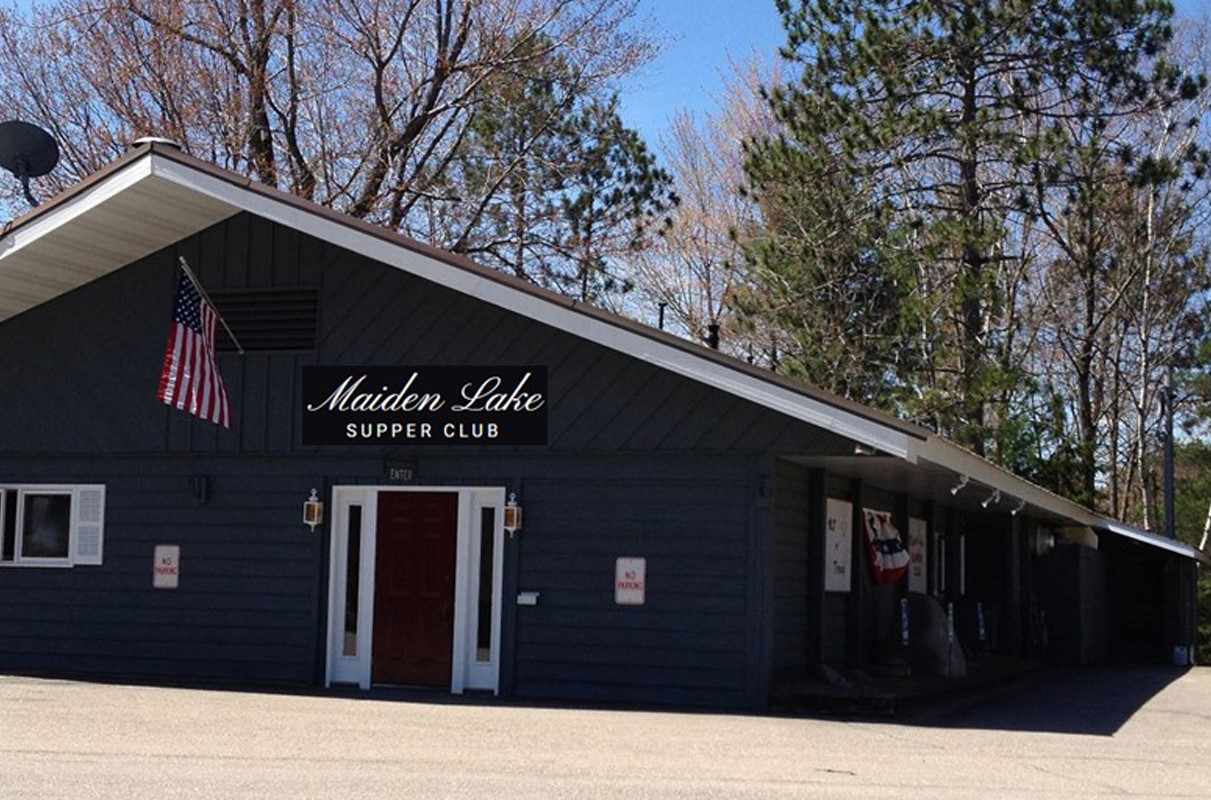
column 91, row 388
column 687, row 643
column 638, row 462
column 246, row 608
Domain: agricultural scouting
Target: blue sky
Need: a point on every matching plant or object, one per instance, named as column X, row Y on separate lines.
column 702, row 36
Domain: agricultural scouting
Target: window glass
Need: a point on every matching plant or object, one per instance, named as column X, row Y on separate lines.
column 46, row 525
column 353, row 561
column 487, row 540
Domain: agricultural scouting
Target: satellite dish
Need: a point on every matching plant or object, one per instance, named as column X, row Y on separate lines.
column 27, row 151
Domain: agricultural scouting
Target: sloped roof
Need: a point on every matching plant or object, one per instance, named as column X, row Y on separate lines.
column 156, row 195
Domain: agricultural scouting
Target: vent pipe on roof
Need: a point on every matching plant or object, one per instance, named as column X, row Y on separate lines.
column 149, row 140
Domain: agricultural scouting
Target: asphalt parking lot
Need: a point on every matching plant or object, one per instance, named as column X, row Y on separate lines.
column 1105, row 733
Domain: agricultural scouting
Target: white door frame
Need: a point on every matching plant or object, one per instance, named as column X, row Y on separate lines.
column 467, row 671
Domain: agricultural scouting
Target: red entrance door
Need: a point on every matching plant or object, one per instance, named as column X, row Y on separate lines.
column 414, row 588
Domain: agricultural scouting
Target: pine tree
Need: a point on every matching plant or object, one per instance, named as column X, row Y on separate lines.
column 563, row 187
column 913, row 146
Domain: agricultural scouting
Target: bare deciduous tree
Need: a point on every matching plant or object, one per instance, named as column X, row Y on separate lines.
column 360, row 105
column 696, row 266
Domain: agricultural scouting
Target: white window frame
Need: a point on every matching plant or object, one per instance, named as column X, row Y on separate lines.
column 86, row 527
column 476, row 674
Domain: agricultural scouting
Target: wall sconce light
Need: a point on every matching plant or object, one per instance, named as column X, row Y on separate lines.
column 313, row 511
column 200, row 484
column 512, row 515
column 992, row 499
column 958, row 487
column 1018, row 508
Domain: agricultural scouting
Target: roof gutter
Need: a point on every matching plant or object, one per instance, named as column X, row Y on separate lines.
column 390, row 248
column 947, row 455
column 231, row 193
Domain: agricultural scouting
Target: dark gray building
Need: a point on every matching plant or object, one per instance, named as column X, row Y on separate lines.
column 695, row 530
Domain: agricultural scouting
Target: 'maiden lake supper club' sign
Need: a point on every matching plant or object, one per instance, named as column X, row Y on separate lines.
column 424, row 405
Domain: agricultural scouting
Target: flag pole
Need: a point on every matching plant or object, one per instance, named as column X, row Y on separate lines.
column 198, row 285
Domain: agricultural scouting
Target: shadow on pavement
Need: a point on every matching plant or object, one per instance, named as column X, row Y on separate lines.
column 1094, row 701
column 1090, row 701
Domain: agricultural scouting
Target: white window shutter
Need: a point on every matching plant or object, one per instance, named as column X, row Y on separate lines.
column 89, row 528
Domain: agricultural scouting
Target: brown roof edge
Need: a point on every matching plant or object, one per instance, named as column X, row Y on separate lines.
column 78, row 188
column 174, row 154
column 169, row 152
column 513, row 282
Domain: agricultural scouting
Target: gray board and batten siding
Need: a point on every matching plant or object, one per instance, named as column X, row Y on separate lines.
column 639, row 462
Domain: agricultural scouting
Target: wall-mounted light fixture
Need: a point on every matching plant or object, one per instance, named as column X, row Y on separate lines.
column 313, row 511
column 992, row 499
column 200, row 484
column 1018, row 508
column 958, row 487
column 512, row 515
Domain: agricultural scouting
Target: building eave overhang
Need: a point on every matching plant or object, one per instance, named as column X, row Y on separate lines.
column 982, row 473
column 119, row 215
column 156, row 196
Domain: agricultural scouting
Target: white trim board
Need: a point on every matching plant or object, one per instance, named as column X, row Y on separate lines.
column 711, row 373
column 467, row 672
column 947, row 455
column 214, row 195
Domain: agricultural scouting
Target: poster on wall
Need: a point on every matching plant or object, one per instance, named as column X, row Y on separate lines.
column 838, row 544
column 884, row 547
column 918, row 580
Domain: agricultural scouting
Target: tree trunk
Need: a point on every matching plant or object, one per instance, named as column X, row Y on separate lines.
column 971, row 432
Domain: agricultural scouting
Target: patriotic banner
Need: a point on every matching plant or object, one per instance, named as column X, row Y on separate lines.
column 888, row 556
column 190, row 379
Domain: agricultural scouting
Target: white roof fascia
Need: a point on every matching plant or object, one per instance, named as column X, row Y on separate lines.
column 785, row 401
column 954, row 458
column 1156, row 540
column 90, row 198
column 859, row 428
column 936, row 450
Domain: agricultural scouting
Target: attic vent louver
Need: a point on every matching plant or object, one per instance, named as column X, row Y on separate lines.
column 264, row 320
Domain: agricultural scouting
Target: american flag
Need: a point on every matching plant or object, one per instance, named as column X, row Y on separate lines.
column 190, row 378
